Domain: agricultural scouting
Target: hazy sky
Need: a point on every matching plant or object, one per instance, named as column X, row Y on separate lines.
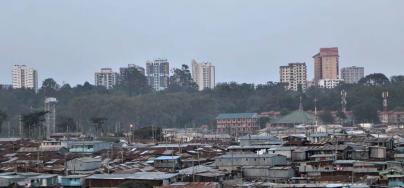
column 247, row 40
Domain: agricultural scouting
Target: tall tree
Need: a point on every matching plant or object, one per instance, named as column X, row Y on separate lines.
column 134, row 83
column 49, row 87
column 376, row 79
column 182, row 80
column 98, row 123
column 3, row 118
column 33, row 124
column 67, row 124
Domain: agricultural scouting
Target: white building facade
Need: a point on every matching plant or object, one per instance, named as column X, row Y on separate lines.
column 329, row 83
column 24, row 77
column 294, row 76
column 203, row 74
column 106, row 77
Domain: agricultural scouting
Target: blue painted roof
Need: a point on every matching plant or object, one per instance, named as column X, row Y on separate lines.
column 167, row 158
column 236, row 115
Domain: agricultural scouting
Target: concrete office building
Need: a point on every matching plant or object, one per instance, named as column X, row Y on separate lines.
column 158, row 72
column 326, row 64
column 24, row 77
column 294, row 76
column 106, row 77
column 352, row 75
column 203, row 74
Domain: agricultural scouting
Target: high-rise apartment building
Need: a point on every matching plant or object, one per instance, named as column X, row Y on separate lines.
column 106, row 77
column 326, row 64
column 203, row 74
column 24, row 77
column 158, row 72
column 352, row 75
column 294, row 75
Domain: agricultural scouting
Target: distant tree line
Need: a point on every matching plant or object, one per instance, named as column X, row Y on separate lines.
column 93, row 108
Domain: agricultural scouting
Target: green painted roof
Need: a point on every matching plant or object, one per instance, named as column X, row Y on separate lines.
column 296, row 117
column 236, row 115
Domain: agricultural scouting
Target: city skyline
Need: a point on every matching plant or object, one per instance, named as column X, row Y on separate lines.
column 56, row 45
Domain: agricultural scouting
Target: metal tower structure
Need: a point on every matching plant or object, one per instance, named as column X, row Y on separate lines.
column 343, row 101
column 50, row 117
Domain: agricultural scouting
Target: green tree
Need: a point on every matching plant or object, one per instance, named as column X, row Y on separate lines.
column 67, row 124
column 3, row 118
column 49, row 87
column 134, row 83
column 365, row 112
column 182, row 80
column 33, row 124
column 376, row 79
column 98, row 123
column 326, row 117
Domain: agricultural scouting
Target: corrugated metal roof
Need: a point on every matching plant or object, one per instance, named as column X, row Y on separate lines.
column 167, row 158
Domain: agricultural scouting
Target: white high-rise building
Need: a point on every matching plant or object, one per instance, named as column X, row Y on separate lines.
column 158, row 73
column 24, row 77
column 294, row 75
column 106, row 77
column 203, row 74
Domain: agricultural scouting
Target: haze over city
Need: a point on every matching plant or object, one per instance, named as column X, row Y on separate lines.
column 247, row 42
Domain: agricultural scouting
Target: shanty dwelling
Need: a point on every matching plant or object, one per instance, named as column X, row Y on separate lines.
column 9, row 178
column 83, row 165
column 151, row 179
column 87, row 146
column 52, row 144
column 193, row 185
column 44, row 180
column 275, row 174
column 233, row 161
column 250, row 140
column 317, row 136
column 342, row 151
column 201, row 173
column 73, row 181
column 359, row 152
column 299, row 154
column 283, row 150
column 168, row 162
column 377, row 152
column 395, row 180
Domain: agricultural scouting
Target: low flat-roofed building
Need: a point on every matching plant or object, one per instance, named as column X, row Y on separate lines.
column 73, row 181
column 83, row 165
column 87, row 146
column 115, row 180
column 168, row 162
column 250, row 140
column 232, row 161
column 277, row 173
